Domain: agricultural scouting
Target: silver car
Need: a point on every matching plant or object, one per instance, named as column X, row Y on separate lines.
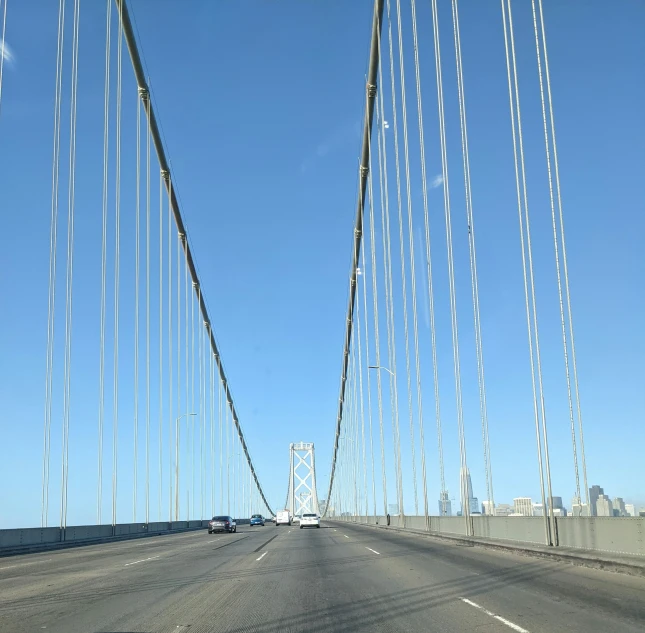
column 222, row 524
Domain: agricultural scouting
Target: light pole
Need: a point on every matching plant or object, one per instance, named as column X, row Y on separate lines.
column 177, row 462
column 383, row 368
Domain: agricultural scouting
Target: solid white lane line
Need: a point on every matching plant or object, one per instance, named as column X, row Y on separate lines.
column 261, row 557
column 143, row 560
column 345, row 535
column 508, row 623
column 373, row 550
column 24, row 564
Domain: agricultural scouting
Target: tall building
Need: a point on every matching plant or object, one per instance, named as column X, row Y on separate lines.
column 594, row 493
column 523, row 506
column 538, row 510
column 630, row 510
column 488, row 508
column 557, row 503
column 503, row 510
column 579, row 509
column 467, row 492
column 604, row 507
column 445, row 507
column 618, row 504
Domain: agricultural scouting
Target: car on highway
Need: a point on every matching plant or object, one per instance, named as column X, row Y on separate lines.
column 257, row 519
column 309, row 520
column 222, row 524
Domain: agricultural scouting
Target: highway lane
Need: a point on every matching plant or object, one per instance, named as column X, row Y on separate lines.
column 338, row 578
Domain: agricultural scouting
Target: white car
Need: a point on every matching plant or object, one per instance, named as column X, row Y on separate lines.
column 309, row 520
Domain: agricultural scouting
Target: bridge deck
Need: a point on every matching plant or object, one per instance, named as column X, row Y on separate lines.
column 337, row 578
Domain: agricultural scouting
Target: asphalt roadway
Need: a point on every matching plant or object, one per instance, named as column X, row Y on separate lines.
column 336, row 578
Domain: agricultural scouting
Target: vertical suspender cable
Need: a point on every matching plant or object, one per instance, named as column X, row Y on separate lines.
column 564, row 258
column 212, row 407
column 413, row 279
column 201, row 415
column 426, row 215
column 354, row 440
column 51, row 309
column 70, row 267
column 106, row 140
column 228, row 464
column 192, row 402
column 186, row 374
column 177, row 453
column 117, row 262
column 522, row 209
column 451, row 274
column 137, row 255
column 146, row 102
column 404, row 292
column 554, row 169
column 377, row 344
column 221, row 447
column 166, row 177
column 3, row 41
column 389, row 301
column 473, row 258
column 362, row 398
column 369, row 383
column 160, row 412
column 559, row 283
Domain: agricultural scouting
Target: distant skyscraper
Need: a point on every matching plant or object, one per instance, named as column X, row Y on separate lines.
column 538, row 510
column 557, row 503
column 467, row 491
column 604, row 507
column 488, row 508
column 503, row 510
column 618, row 504
column 594, row 493
column 579, row 509
column 523, row 506
column 445, row 507
column 630, row 510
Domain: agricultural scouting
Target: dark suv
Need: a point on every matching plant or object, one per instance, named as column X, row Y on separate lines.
column 222, row 524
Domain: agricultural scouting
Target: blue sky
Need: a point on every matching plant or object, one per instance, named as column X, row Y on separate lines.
column 261, row 110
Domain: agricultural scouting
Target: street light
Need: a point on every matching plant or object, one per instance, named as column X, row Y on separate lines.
column 384, row 368
column 177, row 462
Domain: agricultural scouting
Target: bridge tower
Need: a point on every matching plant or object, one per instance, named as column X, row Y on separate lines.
column 302, row 496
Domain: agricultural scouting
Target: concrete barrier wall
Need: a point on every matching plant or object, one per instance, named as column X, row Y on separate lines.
column 33, row 537
column 29, row 536
column 523, row 529
column 618, row 535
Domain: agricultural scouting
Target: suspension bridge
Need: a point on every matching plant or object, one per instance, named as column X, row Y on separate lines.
column 459, row 369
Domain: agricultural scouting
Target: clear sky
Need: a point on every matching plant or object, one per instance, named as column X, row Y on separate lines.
column 261, row 106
